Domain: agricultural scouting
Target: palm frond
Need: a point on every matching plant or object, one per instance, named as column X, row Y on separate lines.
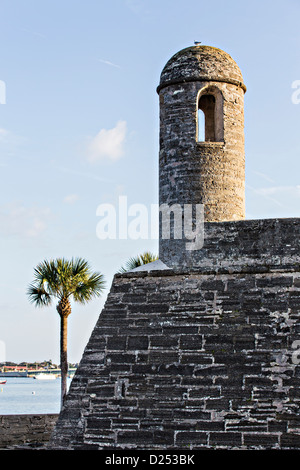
column 93, row 286
column 46, row 275
column 148, row 257
column 139, row 260
column 79, row 266
column 38, row 296
column 63, row 278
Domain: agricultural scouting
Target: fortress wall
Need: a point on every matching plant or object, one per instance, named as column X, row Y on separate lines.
column 190, row 359
column 261, row 245
column 25, row 430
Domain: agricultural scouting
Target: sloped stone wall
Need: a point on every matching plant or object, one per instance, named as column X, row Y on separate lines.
column 190, row 360
column 26, row 430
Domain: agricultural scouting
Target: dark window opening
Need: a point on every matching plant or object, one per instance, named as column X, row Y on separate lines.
column 210, row 118
column 207, row 106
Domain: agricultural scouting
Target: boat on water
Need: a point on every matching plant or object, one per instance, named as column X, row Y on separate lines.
column 2, row 382
column 45, row 377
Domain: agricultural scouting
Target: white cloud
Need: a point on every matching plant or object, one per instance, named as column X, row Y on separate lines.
column 281, row 198
column 35, row 33
column 264, row 176
column 290, row 191
column 10, row 140
column 108, row 143
column 81, row 174
column 16, row 219
column 71, row 198
column 3, row 133
column 107, row 62
column 136, row 6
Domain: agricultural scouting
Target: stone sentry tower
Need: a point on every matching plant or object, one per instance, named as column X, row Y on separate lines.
column 202, row 157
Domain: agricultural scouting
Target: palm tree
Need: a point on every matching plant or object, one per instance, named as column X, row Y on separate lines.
column 63, row 280
column 136, row 261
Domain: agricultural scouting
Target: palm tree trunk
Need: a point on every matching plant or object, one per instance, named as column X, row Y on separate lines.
column 63, row 356
column 64, row 310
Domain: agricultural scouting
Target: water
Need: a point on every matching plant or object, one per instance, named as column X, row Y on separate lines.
column 23, row 395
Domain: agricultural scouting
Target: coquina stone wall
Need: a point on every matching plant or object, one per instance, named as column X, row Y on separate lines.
column 261, row 245
column 197, row 359
column 26, row 431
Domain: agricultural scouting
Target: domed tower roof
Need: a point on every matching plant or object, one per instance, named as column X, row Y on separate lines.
column 201, row 63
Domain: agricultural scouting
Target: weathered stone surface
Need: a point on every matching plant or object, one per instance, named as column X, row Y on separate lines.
column 230, row 383
column 201, row 63
column 240, row 245
column 26, row 430
column 210, row 172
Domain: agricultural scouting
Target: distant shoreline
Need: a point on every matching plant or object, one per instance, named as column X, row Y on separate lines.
column 33, row 373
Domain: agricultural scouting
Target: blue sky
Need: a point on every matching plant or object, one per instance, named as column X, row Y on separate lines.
column 79, row 128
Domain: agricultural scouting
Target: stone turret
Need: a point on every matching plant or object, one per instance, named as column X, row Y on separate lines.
column 202, row 157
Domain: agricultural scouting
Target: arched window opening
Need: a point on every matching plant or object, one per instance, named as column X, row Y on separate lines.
column 210, row 116
column 207, row 105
